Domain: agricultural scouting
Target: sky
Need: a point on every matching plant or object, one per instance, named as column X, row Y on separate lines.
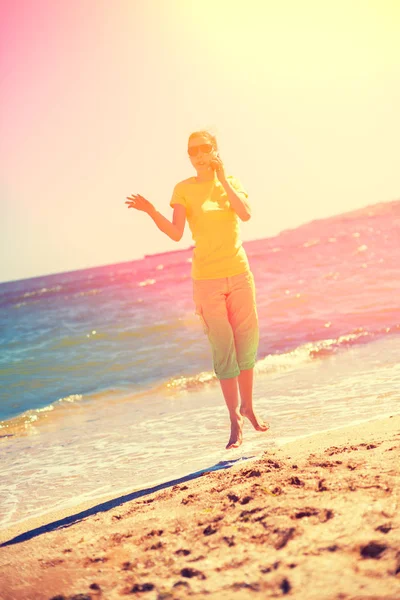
column 98, row 99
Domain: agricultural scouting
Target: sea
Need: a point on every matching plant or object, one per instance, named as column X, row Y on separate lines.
column 106, row 379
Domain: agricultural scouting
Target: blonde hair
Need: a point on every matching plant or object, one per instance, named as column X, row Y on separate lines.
column 206, row 134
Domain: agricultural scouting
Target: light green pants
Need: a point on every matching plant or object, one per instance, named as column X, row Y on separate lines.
column 227, row 308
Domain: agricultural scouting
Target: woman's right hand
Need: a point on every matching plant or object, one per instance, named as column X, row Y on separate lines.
column 137, row 201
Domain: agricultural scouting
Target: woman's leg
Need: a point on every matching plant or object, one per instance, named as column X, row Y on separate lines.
column 229, row 389
column 245, row 380
column 210, row 301
column 241, row 304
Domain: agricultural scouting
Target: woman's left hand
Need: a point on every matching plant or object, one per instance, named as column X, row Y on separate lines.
column 218, row 166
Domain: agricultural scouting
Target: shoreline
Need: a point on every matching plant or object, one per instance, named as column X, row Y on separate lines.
column 317, row 513
column 48, row 517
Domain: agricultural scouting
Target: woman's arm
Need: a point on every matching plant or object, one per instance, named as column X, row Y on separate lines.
column 237, row 201
column 173, row 230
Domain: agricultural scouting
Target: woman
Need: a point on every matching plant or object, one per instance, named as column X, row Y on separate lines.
column 223, row 285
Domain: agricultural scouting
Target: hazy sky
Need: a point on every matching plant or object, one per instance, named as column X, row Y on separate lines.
column 98, row 99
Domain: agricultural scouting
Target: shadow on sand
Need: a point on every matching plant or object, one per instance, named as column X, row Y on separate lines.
column 105, row 506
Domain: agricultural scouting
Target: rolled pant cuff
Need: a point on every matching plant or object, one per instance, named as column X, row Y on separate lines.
column 228, row 375
column 247, row 366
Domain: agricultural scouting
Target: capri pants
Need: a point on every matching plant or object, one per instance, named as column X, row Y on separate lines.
column 227, row 309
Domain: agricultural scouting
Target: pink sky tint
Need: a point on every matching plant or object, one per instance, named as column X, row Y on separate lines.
column 35, row 46
column 98, row 100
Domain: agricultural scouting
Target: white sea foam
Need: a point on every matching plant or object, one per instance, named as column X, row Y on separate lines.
column 129, row 446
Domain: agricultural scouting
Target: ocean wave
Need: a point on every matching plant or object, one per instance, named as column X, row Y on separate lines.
column 27, row 422
column 42, row 291
column 22, row 424
column 275, row 363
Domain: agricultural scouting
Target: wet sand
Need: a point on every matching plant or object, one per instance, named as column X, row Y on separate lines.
column 314, row 519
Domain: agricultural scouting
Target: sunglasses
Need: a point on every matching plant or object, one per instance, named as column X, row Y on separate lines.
column 204, row 148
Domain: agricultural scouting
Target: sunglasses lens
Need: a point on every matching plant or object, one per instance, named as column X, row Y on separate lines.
column 204, row 148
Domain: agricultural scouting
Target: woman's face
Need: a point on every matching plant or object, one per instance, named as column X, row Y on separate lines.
column 200, row 150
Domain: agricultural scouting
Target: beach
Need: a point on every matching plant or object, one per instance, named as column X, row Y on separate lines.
column 314, row 518
column 107, row 381
column 114, row 475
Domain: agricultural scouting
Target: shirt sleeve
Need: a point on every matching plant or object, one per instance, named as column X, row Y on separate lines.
column 237, row 186
column 177, row 197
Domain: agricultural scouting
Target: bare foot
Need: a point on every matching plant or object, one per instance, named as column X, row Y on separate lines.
column 236, row 434
column 254, row 420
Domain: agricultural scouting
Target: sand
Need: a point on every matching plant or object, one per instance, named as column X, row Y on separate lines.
column 315, row 519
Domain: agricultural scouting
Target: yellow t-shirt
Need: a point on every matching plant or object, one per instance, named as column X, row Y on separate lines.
column 214, row 225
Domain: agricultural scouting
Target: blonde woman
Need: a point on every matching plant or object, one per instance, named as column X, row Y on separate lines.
column 223, row 285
